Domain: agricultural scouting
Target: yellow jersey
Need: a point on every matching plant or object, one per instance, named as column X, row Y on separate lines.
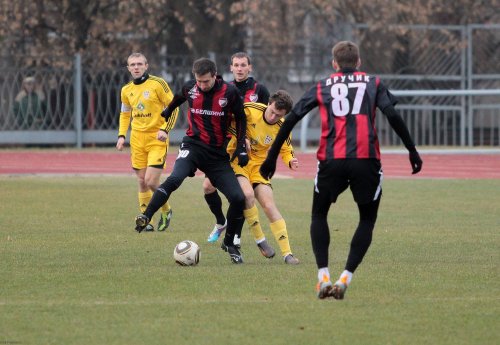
column 142, row 105
column 261, row 135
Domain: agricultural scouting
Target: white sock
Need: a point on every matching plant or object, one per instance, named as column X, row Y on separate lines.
column 322, row 272
column 346, row 277
column 261, row 240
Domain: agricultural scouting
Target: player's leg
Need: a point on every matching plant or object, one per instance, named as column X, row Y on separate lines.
column 251, row 215
column 157, row 154
column 329, row 183
column 223, row 178
column 366, row 186
column 184, row 166
column 152, row 178
column 264, row 194
column 214, row 202
column 139, row 160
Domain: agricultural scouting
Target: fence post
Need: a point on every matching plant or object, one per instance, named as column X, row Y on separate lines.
column 77, row 108
column 304, row 125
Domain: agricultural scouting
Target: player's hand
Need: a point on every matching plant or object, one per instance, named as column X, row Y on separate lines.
column 241, row 153
column 120, row 143
column 294, row 164
column 268, row 168
column 415, row 161
column 162, row 135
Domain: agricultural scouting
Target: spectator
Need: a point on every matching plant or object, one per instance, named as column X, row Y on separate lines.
column 29, row 105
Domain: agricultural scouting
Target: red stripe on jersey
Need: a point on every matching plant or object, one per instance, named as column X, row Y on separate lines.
column 216, row 121
column 374, row 113
column 323, row 113
column 362, row 134
column 249, row 93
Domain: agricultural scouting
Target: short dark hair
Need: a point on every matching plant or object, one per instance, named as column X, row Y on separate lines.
column 346, row 54
column 241, row 55
column 204, row 66
column 281, row 100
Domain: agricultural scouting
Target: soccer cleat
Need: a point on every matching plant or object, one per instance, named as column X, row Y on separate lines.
column 266, row 249
column 234, row 253
column 291, row 260
column 324, row 288
column 339, row 288
column 215, row 234
column 141, row 223
column 164, row 220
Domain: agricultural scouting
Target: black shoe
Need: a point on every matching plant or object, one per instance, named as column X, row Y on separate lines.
column 141, row 223
column 234, row 253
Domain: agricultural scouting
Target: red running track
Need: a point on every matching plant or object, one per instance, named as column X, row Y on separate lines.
column 454, row 165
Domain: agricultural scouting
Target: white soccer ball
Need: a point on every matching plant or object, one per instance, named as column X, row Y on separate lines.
column 187, row 253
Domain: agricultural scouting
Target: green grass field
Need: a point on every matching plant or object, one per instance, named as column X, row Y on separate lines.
column 75, row 272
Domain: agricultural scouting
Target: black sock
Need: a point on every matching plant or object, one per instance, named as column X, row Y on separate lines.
column 215, row 204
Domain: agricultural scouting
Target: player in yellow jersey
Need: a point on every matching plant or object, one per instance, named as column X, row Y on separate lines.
column 143, row 99
column 263, row 123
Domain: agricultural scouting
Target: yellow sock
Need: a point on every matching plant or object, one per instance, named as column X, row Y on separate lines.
column 252, row 218
column 144, row 199
column 278, row 229
column 165, row 208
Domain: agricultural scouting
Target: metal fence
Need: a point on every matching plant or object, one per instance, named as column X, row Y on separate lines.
column 81, row 107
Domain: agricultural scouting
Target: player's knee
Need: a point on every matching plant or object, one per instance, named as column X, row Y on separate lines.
column 208, row 188
column 237, row 200
column 172, row 183
column 249, row 197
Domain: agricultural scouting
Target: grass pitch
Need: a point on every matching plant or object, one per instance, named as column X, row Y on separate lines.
column 75, row 272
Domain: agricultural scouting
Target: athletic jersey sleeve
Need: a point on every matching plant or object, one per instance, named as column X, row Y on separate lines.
column 179, row 98
column 166, row 96
column 286, row 151
column 125, row 114
column 384, row 97
column 307, row 102
column 240, row 119
column 263, row 94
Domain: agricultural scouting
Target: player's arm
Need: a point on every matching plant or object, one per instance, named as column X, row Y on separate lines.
column 177, row 100
column 263, row 94
column 386, row 102
column 287, row 154
column 124, row 121
column 166, row 96
column 399, row 126
column 240, row 123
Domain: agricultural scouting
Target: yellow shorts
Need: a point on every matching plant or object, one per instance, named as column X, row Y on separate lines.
column 146, row 150
column 250, row 171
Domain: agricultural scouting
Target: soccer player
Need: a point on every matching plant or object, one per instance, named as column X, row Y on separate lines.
column 263, row 123
column 250, row 91
column 348, row 155
column 212, row 103
column 143, row 99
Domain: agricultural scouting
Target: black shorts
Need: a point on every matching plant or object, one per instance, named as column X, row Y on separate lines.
column 215, row 165
column 363, row 176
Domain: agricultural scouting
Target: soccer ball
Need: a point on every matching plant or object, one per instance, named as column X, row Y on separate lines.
column 187, row 253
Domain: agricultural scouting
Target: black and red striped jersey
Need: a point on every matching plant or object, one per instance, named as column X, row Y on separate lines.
column 347, row 104
column 210, row 113
column 252, row 91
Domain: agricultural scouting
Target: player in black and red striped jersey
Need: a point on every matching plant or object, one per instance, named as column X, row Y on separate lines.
column 250, row 91
column 348, row 155
column 212, row 104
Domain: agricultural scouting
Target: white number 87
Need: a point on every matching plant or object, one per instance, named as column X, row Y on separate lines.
column 340, row 102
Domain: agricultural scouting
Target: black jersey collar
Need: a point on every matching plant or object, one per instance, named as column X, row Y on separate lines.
column 348, row 70
column 142, row 79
